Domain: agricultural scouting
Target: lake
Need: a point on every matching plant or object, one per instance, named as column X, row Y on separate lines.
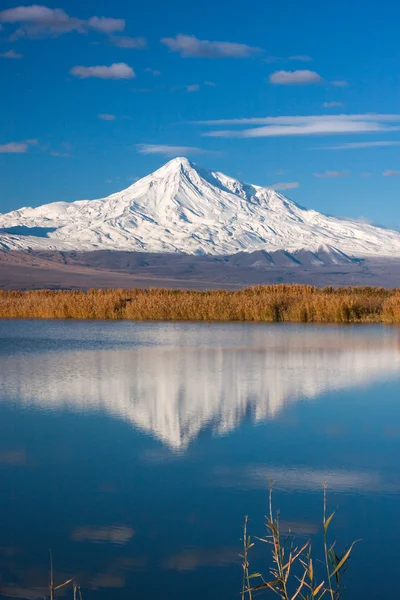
column 134, row 450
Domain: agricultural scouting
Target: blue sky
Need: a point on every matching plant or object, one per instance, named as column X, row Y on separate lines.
column 98, row 94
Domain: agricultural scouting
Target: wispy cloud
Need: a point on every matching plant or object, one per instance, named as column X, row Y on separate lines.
column 332, row 104
column 360, row 219
column 331, row 174
column 190, row 46
column 356, row 145
column 14, row 148
column 11, row 54
column 305, row 125
column 137, row 43
column 40, row 21
column 339, row 83
column 289, row 185
column 285, row 59
column 106, row 117
column 167, row 150
column 114, row 71
column 154, row 72
column 301, row 77
column 193, row 87
column 59, row 154
column 301, row 58
column 390, row 173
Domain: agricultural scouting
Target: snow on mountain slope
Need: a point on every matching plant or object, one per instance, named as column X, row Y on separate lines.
column 182, row 207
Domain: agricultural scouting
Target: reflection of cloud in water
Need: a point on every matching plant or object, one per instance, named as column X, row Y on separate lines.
column 193, row 558
column 111, row 534
column 298, row 478
column 29, row 583
column 13, row 458
column 14, row 591
column 299, row 527
column 174, row 391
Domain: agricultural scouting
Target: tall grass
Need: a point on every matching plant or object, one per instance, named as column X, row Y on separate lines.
column 272, row 303
column 70, row 583
column 294, row 572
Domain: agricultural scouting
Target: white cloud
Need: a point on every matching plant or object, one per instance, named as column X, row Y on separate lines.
column 11, row 54
column 106, row 117
column 37, row 21
column 166, row 150
column 289, row 185
column 209, row 83
column 305, row 77
column 137, row 43
column 114, row 71
column 356, row 145
column 390, row 173
column 305, row 125
column 190, row 46
column 14, row 148
column 339, row 83
column 332, row 104
column 40, row 21
column 331, row 174
column 106, row 24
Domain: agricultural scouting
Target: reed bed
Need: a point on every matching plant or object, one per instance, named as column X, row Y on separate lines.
column 270, row 303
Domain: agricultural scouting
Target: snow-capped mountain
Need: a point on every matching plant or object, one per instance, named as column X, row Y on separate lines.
column 184, row 208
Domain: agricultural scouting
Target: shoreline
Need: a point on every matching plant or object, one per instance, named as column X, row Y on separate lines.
column 282, row 303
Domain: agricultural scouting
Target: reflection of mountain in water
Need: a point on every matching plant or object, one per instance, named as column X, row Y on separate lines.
column 175, row 391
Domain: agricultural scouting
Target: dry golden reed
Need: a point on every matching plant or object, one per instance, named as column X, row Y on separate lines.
column 270, row 303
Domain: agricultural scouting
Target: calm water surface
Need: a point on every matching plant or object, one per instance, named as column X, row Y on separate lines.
column 134, row 451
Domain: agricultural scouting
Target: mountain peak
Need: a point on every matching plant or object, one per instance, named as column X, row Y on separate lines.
column 184, row 208
column 180, row 162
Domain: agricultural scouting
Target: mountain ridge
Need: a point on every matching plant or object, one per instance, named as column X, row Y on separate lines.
column 184, row 208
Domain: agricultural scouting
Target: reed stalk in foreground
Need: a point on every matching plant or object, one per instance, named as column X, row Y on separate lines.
column 293, row 573
column 69, row 583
